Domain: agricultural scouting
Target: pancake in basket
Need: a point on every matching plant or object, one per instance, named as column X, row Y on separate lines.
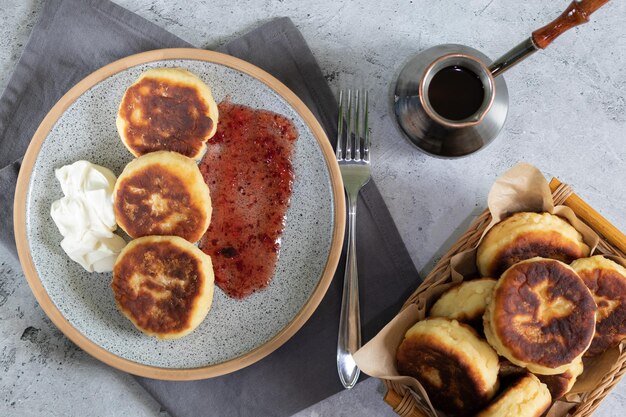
column 162, row 193
column 465, row 302
column 526, row 235
column 561, row 384
column 164, row 285
column 167, row 109
column 526, row 397
column 541, row 316
column 607, row 281
column 509, row 370
column 458, row 370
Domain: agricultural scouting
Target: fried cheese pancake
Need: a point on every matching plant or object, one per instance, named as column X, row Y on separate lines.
column 167, row 109
column 163, row 285
column 525, row 235
column 526, row 397
column 465, row 302
column 541, row 316
column 561, row 384
column 508, row 370
column 458, row 370
column 162, row 193
column 607, row 281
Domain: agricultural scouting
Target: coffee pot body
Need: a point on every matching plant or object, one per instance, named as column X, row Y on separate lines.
column 422, row 119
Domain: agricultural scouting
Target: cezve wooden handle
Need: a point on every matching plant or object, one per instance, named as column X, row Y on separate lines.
column 577, row 13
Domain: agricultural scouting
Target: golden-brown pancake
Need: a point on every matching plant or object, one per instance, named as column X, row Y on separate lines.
column 561, row 384
column 509, row 370
column 465, row 302
column 162, row 193
column 607, row 281
column 541, row 316
column 526, row 397
column 164, row 285
column 458, row 370
column 167, row 109
column 525, row 235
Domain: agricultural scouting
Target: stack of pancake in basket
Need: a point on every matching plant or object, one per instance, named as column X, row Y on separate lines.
column 512, row 341
column 161, row 281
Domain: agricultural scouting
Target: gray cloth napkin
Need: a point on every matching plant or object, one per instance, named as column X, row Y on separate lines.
column 72, row 39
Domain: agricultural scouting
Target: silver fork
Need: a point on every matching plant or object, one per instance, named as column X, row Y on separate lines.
column 354, row 163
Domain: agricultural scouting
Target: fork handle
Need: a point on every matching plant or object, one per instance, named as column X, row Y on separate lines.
column 349, row 340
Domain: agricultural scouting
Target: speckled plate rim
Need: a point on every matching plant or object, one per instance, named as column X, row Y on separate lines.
column 21, row 192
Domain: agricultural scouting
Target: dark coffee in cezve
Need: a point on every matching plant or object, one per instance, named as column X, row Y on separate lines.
column 456, row 93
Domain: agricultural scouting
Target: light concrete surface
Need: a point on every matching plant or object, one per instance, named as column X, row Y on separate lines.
column 567, row 116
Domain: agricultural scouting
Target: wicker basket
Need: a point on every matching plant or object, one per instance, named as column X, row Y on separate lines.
column 612, row 242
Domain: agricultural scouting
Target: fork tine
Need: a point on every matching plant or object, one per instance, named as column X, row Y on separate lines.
column 340, row 117
column 349, row 122
column 366, row 133
column 357, row 126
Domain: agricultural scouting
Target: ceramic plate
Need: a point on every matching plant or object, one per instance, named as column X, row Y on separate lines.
column 235, row 333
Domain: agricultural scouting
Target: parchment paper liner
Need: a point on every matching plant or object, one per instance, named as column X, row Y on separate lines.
column 522, row 188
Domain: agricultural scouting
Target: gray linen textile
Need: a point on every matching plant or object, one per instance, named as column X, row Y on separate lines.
column 74, row 38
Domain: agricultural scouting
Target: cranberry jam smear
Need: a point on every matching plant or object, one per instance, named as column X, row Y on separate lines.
column 249, row 172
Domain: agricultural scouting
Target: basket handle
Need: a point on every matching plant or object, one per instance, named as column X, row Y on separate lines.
column 594, row 219
column 395, row 400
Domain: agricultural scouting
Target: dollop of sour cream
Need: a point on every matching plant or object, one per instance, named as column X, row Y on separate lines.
column 85, row 215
